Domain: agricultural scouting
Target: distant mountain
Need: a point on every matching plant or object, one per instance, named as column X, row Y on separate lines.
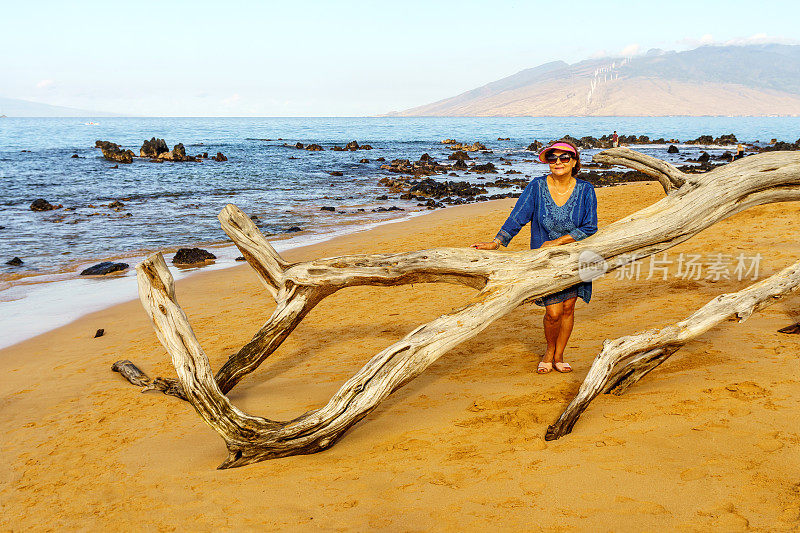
column 12, row 107
column 710, row 80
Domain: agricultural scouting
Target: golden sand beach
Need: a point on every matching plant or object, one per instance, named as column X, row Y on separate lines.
column 708, row 441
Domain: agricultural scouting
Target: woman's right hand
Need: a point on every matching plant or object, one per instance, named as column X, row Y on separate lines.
column 494, row 245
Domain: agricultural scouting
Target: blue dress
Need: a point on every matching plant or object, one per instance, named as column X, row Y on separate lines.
column 577, row 217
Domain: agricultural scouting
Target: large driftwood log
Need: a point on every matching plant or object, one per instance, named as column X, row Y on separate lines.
column 624, row 361
column 504, row 281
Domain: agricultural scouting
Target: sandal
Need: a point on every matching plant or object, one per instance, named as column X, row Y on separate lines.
column 544, row 368
column 563, row 368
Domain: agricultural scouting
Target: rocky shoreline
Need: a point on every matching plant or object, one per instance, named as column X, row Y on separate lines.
column 155, row 151
column 468, row 172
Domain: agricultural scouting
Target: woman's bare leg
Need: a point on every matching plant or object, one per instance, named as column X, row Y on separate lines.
column 552, row 330
column 565, row 329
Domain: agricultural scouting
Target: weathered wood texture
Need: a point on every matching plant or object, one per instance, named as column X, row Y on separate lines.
column 624, row 361
column 503, row 280
column 132, row 373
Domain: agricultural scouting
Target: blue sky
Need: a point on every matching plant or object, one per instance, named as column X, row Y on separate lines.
column 347, row 58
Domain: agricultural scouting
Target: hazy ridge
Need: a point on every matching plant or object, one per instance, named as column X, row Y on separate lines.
column 756, row 80
column 13, row 107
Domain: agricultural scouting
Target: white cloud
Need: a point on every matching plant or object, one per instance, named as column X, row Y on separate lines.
column 599, row 54
column 44, row 84
column 630, row 50
column 232, row 100
column 757, row 38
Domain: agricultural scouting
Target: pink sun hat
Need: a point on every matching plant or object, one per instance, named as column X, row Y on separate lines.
column 564, row 147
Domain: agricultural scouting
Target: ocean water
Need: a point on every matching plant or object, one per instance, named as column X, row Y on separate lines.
column 171, row 205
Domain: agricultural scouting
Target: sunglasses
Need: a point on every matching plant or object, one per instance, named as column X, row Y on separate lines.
column 550, row 157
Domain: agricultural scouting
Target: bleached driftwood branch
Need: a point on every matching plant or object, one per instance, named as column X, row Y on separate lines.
column 624, row 361
column 503, row 281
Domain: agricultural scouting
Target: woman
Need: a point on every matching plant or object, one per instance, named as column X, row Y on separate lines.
column 561, row 209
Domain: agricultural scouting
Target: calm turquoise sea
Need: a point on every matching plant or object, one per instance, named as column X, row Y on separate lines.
column 171, row 205
column 175, row 204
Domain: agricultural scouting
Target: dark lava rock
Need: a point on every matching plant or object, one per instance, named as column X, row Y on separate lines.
column 366, row 147
column 120, row 156
column 703, row 139
column 178, row 152
column 698, row 169
column 460, row 164
column 633, row 139
column 327, row 208
column 116, row 204
column 153, row 148
column 352, row 145
column 364, row 161
column 426, row 166
column 504, row 138
column 114, row 152
column 14, row 262
column 673, row 149
column 486, row 168
column 314, row 148
column 474, row 147
column 730, row 138
column 40, row 204
column 382, row 197
column 704, row 157
column 381, row 159
column 188, row 256
column 459, row 155
column 106, row 267
column 589, row 142
column 299, row 146
column 535, row 146
column 436, row 189
column 115, row 166
column 105, row 145
column 220, row 157
column 336, row 173
column 99, row 333
column 781, row 146
column 293, row 229
column 205, row 155
column 601, row 179
column 74, row 156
